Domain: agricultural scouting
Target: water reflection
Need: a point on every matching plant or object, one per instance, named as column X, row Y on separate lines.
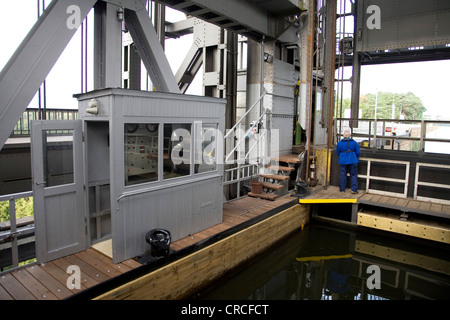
column 323, row 263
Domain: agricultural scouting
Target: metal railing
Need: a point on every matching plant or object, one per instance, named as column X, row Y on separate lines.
column 418, row 183
column 245, row 167
column 369, row 176
column 405, row 135
column 10, row 235
column 23, row 127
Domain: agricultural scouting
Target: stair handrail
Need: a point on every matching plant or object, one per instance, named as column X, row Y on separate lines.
column 243, row 138
column 246, row 113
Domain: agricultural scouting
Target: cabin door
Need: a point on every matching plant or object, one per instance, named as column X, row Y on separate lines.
column 58, row 192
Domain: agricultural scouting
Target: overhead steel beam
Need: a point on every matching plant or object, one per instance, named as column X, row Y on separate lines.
column 152, row 54
column 247, row 18
column 35, row 57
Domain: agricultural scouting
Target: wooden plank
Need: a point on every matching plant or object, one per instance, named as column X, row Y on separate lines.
column 383, row 199
column 367, row 197
column 436, row 207
column 413, row 204
column 4, row 295
column 446, row 209
column 274, row 176
column 57, row 288
column 118, row 266
column 280, row 168
column 33, row 285
column 87, row 269
column 417, row 228
column 425, row 206
column 61, row 276
column 91, row 259
column 104, row 247
column 402, row 202
column 288, row 158
column 131, row 263
column 15, row 288
column 268, row 196
column 392, row 201
column 376, row 198
column 86, row 280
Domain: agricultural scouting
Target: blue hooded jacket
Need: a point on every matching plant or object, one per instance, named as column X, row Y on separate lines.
column 348, row 151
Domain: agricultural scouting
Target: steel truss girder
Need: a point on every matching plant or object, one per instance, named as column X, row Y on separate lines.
column 34, row 58
column 249, row 18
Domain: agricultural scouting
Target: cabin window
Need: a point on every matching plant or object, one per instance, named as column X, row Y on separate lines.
column 141, row 153
column 205, row 147
column 177, row 150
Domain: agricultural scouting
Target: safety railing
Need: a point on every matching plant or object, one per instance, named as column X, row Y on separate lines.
column 393, row 134
column 418, row 182
column 14, row 233
column 245, row 165
column 23, row 126
column 369, row 176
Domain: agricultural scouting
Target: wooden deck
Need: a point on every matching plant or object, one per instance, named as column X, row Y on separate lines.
column 332, row 195
column 368, row 210
column 48, row 281
column 234, row 213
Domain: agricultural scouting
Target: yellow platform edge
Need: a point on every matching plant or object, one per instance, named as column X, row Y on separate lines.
column 312, row 201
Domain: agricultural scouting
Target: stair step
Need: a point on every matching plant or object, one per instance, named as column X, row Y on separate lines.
column 274, row 176
column 293, row 158
column 280, row 168
column 272, row 186
column 263, row 195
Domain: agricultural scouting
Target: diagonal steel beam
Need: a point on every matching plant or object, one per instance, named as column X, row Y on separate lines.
column 189, row 67
column 152, row 54
column 35, row 57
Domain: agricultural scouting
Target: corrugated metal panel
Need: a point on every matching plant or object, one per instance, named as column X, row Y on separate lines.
column 182, row 210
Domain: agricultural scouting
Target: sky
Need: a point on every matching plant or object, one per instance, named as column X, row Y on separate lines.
column 430, row 81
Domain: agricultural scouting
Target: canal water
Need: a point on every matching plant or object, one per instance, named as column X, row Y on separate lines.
column 329, row 262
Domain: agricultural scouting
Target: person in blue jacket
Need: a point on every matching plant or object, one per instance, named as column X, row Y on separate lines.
column 348, row 152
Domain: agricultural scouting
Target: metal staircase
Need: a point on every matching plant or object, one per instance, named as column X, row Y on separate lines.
column 259, row 162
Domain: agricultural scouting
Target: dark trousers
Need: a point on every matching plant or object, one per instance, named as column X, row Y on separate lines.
column 353, row 169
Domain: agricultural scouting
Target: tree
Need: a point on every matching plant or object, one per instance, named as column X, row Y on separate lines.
column 406, row 104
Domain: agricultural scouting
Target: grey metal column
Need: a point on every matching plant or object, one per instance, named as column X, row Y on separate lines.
column 107, row 46
column 356, row 71
column 329, row 71
column 35, row 57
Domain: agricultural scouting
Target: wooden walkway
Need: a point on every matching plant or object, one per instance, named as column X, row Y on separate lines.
column 234, row 213
column 48, row 281
column 332, row 195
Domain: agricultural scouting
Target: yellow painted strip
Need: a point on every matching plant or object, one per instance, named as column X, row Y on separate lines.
column 327, row 201
column 318, row 258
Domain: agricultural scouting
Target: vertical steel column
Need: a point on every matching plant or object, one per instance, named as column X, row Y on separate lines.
column 107, row 46
column 329, row 73
column 309, row 84
column 356, row 72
